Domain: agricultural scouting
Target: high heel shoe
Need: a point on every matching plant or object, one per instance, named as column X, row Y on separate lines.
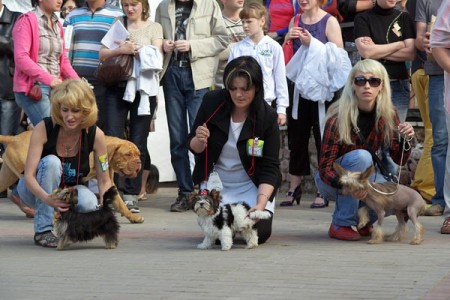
column 320, row 205
column 296, row 196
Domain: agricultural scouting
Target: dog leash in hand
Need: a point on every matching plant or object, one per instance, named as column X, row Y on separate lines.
column 377, row 160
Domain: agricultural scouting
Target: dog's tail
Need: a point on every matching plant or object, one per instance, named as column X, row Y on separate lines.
column 109, row 195
column 260, row 214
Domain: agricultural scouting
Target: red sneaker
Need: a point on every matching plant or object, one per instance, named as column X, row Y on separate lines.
column 29, row 212
column 345, row 233
column 366, row 230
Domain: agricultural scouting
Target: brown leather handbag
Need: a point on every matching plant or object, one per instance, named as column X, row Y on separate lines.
column 115, row 69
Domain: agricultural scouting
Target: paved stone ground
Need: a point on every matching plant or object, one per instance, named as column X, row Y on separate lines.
column 159, row 260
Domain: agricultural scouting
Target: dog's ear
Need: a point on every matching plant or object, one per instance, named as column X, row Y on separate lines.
column 215, row 195
column 191, row 199
column 366, row 174
column 110, row 194
column 340, row 170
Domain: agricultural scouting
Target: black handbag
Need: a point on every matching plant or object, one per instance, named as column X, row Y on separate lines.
column 383, row 170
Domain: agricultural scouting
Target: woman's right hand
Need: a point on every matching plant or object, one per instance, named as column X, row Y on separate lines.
column 58, row 204
column 202, row 133
column 128, row 47
column 293, row 33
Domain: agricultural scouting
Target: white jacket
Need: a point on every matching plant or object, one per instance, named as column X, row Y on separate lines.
column 269, row 55
column 145, row 78
column 318, row 71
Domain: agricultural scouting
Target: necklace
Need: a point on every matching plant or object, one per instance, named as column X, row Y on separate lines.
column 64, row 148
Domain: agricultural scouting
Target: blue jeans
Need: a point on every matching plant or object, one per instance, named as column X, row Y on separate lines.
column 49, row 176
column 400, row 98
column 182, row 104
column 9, row 118
column 447, row 172
column 440, row 134
column 346, row 209
column 100, row 92
column 35, row 110
column 116, row 114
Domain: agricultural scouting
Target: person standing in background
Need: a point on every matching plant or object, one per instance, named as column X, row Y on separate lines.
column 40, row 58
column 280, row 14
column 440, row 46
column 90, row 24
column 423, row 180
column 233, row 23
column 9, row 110
column 426, row 11
column 194, row 35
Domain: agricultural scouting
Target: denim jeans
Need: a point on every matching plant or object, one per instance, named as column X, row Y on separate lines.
column 49, row 176
column 9, row 118
column 35, row 110
column 447, row 172
column 116, row 114
column 440, row 134
column 400, row 98
column 100, row 92
column 346, row 209
column 182, row 104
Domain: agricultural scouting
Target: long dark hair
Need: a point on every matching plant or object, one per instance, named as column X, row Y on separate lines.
column 248, row 68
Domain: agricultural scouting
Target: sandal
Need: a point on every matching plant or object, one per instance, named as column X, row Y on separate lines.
column 319, row 205
column 142, row 196
column 445, row 229
column 46, row 239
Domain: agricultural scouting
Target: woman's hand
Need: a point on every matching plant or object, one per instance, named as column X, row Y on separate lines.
column 305, row 37
column 58, row 204
column 293, row 33
column 168, row 46
column 55, row 83
column 406, row 131
column 128, row 47
column 281, row 119
column 202, row 134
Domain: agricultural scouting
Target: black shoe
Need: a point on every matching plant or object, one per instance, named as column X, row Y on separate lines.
column 4, row 194
column 180, row 204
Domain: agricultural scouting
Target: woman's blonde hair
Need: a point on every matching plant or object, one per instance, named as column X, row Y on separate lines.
column 255, row 10
column 74, row 93
column 347, row 106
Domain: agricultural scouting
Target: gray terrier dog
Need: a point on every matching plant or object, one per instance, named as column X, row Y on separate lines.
column 381, row 197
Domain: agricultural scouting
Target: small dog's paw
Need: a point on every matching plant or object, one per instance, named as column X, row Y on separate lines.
column 416, row 242
column 203, row 246
column 375, row 241
column 226, row 248
column 257, row 214
column 251, row 246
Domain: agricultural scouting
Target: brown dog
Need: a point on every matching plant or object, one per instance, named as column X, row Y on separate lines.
column 382, row 197
column 123, row 158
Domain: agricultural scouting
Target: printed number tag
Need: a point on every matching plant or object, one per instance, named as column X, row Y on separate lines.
column 103, row 160
column 255, row 147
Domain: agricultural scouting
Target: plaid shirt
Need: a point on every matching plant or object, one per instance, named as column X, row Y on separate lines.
column 50, row 43
column 332, row 149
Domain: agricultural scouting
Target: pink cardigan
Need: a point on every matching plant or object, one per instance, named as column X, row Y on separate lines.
column 26, row 48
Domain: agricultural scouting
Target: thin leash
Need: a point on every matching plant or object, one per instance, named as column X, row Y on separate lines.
column 398, row 177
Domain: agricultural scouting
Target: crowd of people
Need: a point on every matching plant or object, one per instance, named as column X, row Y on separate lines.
column 227, row 91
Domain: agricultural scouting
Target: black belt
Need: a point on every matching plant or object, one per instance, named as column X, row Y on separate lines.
column 181, row 63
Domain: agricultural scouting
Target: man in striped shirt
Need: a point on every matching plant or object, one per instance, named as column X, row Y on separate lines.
column 90, row 24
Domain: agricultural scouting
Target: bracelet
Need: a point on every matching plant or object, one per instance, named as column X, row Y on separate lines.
column 261, row 194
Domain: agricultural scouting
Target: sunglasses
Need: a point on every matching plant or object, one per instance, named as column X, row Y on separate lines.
column 361, row 81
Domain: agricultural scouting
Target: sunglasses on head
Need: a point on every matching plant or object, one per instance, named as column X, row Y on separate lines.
column 361, row 81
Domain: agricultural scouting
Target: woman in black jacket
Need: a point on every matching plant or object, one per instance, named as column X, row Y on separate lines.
column 236, row 137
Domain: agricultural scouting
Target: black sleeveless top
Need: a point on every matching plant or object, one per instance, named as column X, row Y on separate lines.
column 70, row 166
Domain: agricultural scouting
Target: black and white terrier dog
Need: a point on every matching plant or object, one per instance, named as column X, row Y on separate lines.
column 222, row 222
column 72, row 226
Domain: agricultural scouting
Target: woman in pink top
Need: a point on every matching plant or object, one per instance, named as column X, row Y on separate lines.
column 39, row 57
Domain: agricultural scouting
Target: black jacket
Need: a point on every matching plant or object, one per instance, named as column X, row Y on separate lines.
column 7, row 21
column 267, row 167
